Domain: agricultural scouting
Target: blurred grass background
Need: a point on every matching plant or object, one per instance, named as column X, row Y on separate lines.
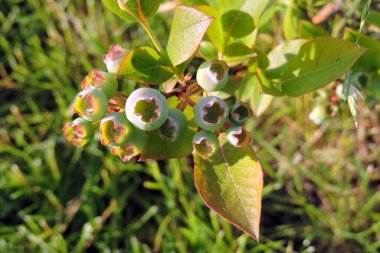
column 321, row 182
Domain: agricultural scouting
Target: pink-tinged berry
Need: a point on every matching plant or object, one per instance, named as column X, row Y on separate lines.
column 205, row 144
column 116, row 130
column 79, row 132
column 91, row 104
column 238, row 136
column 114, row 58
column 101, row 80
column 211, row 113
column 147, row 109
column 126, row 153
column 132, row 149
column 174, row 126
column 212, row 75
column 240, row 113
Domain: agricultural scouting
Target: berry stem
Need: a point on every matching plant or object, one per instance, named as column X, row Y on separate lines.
column 120, row 94
column 159, row 48
column 188, row 101
column 96, row 123
column 145, row 24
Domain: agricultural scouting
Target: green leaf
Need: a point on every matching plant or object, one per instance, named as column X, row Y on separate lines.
column 149, row 8
column 374, row 18
column 145, row 65
column 113, row 6
column 374, row 87
column 159, row 149
column 255, row 8
column 318, row 62
column 290, row 23
column 215, row 31
column 231, row 184
column 309, row 30
column 241, row 17
column 208, row 51
column 237, row 53
column 194, row 2
column 281, row 55
column 258, row 7
column 371, row 58
column 188, row 28
column 231, row 87
column 249, row 92
column 237, row 23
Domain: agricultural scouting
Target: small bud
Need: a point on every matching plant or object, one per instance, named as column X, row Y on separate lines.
column 79, row 132
column 211, row 113
column 240, row 113
column 205, row 144
column 174, row 126
column 213, row 75
column 114, row 58
column 102, row 80
column 116, row 130
column 238, row 136
column 91, row 104
column 147, row 109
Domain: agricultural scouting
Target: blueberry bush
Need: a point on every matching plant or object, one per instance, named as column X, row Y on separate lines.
column 195, row 95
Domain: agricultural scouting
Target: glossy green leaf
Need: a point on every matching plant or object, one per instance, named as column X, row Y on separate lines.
column 237, row 23
column 215, row 31
column 169, row 85
column 231, row 183
column 237, row 53
column 281, row 55
column 113, row 6
column 188, row 28
column 194, row 2
column 208, row 51
column 374, row 87
column 374, row 18
column 160, row 149
column 250, row 92
column 309, row 30
column 318, row 62
column 290, row 22
column 145, row 65
column 149, row 8
column 371, row 58
column 231, row 87
column 258, row 7
column 240, row 17
column 255, row 8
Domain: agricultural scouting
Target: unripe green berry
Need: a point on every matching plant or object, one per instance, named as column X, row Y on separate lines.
column 240, row 113
column 147, row 109
column 238, row 136
column 104, row 81
column 116, row 130
column 211, row 113
column 91, row 104
column 174, row 126
column 79, row 132
column 205, row 144
column 212, row 75
column 127, row 152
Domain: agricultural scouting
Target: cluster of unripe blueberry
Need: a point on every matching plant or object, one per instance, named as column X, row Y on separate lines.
column 127, row 122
